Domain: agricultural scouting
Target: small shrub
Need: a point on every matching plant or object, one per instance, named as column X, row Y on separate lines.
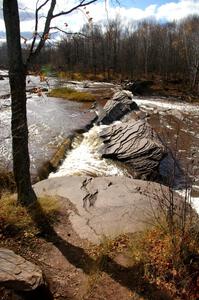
column 70, row 75
column 109, row 247
column 77, row 76
column 71, row 94
column 62, row 75
column 46, row 70
column 100, row 77
column 168, row 264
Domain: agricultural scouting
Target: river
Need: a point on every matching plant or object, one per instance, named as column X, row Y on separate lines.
column 52, row 120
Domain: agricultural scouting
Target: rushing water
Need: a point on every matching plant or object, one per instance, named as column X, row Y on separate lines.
column 178, row 126
column 51, row 120
column 85, row 158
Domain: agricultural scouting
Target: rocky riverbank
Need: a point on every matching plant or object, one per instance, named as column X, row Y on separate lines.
column 93, row 248
column 101, row 244
column 172, row 89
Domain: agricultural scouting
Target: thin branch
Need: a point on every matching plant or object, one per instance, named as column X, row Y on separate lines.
column 49, row 18
column 36, row 25
column 46, row 30
column 81, row 4
column 42, row 5
column 68, row 33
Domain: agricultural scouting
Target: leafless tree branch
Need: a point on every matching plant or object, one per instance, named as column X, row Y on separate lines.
column 45, row 31
column 81, row 4
column 50, row 16
column 68, row 33
column 36, row 23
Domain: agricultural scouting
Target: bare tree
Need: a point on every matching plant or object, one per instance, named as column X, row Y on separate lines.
column 142, row 49
column 17, row 76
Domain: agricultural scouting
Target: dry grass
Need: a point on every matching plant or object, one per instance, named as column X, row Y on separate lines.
column 71, row 94
column 108, row 248
column 15, row 218
column 7, row 182
column 80, row 76
column 167, row 263
column 70, row 75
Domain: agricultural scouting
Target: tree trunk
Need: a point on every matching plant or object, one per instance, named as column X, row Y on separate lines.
column 17, row 77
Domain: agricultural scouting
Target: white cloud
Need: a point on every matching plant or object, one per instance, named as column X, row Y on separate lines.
column 168, row 12
column 176, row 11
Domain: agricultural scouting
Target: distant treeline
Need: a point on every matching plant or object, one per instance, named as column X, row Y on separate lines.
column 144, row 49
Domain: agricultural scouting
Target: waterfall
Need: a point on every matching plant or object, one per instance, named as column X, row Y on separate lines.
column 85, row 158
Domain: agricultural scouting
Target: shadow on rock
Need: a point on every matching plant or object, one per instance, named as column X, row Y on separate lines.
column 126, row 276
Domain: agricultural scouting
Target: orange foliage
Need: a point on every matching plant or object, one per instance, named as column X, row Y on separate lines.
column 172, row 262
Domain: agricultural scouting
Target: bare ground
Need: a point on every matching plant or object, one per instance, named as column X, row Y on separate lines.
column 72, row 269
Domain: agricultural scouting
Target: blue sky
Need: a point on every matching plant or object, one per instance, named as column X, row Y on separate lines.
column 143, row 3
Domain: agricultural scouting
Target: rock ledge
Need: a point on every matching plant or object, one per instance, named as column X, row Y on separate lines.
column 17, row 273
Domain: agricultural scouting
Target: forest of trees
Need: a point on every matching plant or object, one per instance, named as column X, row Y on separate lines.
column 143, row 49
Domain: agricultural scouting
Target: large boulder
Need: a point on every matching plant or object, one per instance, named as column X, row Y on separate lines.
column 17, row 273
column 106, row 206
column 116, row 108
column 136, row 144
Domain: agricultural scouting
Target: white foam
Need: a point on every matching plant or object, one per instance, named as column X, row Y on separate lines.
column 163, row 104
column 4, row 72
column 86, row 158
column 194, row 201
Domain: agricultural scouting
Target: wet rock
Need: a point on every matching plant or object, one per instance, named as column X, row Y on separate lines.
column 1, row 77
column 139, row 87
column 17, row 273
column 60, row 153
column 52, row 164
column 116, row 108
column 86, row 84
column 177, row 114
column 136, row 144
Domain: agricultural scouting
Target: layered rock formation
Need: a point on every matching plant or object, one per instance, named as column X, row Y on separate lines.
column 136, row 144
column 116, row 108
column 132, row 141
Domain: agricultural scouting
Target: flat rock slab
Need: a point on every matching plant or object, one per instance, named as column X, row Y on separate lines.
column 17, row 273
column 105, row 206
